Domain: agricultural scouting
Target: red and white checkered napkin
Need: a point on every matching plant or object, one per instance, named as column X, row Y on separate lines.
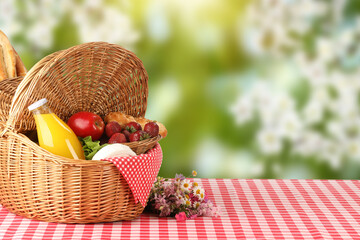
column 140, row 171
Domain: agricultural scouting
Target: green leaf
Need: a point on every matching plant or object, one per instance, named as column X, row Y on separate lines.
column 90, row 147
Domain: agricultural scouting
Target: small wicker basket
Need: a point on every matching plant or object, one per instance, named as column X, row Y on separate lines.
column 34, row 183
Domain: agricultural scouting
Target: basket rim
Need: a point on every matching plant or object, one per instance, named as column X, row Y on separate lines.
column 57, row 159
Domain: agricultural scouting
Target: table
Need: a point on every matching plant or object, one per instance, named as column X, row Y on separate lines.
column 253, row 209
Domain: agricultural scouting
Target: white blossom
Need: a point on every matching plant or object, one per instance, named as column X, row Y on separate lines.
column 332, row 152
column 290, row 126
column 336, row 130
column 41, row 31
column 105, row 24
column 330, row 67
column 308, row 144
column 353, row 148
column 214, row 158
column 270, row 141
column 313, row 112
column 242, row 110
column 325, row 50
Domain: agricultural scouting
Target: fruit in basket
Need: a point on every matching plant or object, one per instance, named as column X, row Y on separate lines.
column 138, row 136
column 133, row 127
column 144, row 135
column 87, row 124
column 111, row 128
column 117, row 138
column 135, row 136
column 152, row 129
column 124, row 119
column 126, row 133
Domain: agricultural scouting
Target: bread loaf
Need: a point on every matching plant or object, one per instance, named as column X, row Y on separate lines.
column 11, row 65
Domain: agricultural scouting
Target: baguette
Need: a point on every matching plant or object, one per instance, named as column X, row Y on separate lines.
column 9, row 55
column 3, row 72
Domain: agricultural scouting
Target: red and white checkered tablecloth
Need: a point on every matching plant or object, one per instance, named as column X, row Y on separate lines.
column 253, row 209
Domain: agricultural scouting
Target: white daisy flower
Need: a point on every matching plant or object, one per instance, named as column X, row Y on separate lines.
column 202, row 195
column 196, row 205
column 198, row 190
column 185, row 185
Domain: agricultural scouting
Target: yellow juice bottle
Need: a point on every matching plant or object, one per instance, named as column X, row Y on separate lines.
column 54, row 134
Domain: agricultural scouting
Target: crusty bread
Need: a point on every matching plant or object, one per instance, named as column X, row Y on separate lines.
column 120, row 118
column 162, row 129
column 124, row 119
column 3, row 72
column 9, row 55
column 142, row 121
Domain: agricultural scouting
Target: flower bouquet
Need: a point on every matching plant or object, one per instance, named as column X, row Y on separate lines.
column 180, row 197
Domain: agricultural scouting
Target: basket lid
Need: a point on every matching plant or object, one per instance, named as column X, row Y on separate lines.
column 98, row 77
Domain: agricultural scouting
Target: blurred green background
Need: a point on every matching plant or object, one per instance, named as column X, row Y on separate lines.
column 246, row 89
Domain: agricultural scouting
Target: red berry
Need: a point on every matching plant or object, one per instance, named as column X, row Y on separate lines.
column 152, row 129
column 133, row 127
column 134, row 137
column 112, row 128
column 144, row 135
column 117, row 138
column 126, row 133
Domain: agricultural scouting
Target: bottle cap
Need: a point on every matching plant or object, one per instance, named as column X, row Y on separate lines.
column 37, row 104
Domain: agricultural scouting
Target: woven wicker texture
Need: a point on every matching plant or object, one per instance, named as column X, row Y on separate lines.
column 144, row 145
column 97, row 77
column 7, row 91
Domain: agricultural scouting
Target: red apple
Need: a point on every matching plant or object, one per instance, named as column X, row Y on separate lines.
column 87, row 124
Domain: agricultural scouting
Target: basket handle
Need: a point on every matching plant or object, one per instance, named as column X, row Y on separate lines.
column 23, row 91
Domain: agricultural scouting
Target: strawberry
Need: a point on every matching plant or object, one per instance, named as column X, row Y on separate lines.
column 138, row 136
column 117, row 138
column 135, row 136
column 112, row 128
column 133, row 127
column 143, row 135
column 152, row 129
column 126, row 133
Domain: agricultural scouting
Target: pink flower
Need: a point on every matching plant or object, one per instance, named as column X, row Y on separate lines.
column 192, row 217
column 165, row 211
column 179, row 177
column 180, row 217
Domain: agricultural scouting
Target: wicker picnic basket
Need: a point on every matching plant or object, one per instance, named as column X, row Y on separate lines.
column 34, row 183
